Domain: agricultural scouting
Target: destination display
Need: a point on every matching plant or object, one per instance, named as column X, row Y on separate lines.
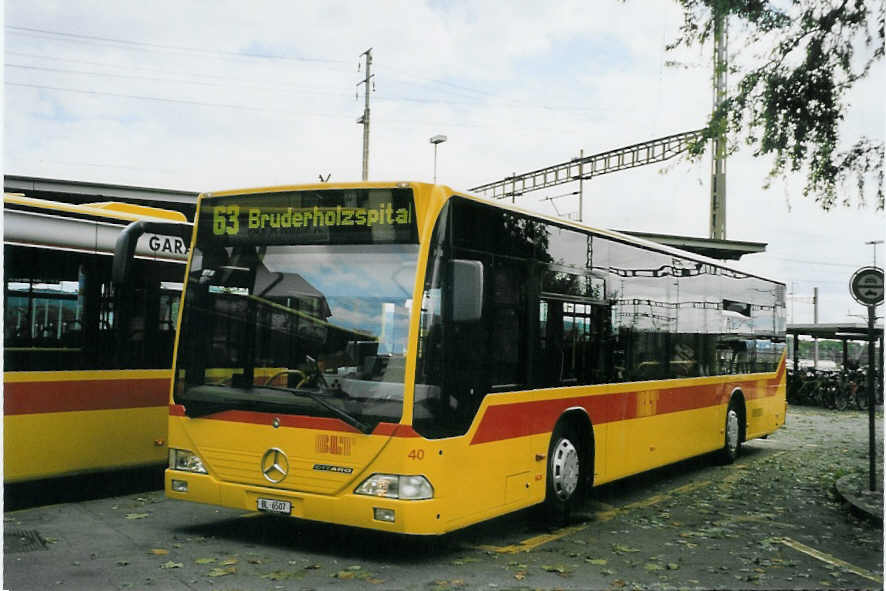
column 335, row 216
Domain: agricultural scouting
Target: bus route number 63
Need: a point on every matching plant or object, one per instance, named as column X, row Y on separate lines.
column 225, row 220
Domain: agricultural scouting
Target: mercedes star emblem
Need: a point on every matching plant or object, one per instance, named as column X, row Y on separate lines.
column 274, row 465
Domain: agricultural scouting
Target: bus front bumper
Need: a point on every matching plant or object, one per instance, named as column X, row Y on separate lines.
column 380, row 513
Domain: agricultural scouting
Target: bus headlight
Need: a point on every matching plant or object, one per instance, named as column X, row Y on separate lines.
column 186, row 461
column 396, row 486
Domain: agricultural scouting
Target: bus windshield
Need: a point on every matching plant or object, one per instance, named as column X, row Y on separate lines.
column 290, row 309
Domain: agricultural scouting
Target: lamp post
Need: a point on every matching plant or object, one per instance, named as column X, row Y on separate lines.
column 437, row 139
column 874, row 243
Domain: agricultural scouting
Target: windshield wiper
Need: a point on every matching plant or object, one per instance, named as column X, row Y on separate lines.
column 340, row 413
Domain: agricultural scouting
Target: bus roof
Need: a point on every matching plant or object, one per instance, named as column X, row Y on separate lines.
column 621, row 237
column 318, row 186
column 106, row 209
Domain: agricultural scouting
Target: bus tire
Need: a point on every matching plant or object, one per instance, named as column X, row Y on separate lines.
column 565, row 480
column 732, row 433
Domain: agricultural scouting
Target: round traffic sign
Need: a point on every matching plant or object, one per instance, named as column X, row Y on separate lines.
column 866, row 286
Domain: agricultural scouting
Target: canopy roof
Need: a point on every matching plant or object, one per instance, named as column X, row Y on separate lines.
column 839, row 331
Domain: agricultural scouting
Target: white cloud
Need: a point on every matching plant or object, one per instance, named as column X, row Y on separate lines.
column 515, row 87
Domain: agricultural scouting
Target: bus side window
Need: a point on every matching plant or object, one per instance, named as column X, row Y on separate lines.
column 46, row 310
column 506, row 320
column 145, row 311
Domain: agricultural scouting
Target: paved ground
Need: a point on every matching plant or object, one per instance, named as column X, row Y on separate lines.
column 771, row 521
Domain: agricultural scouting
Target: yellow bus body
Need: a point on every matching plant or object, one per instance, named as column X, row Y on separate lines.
column 69, row 422
column 472, row 481
column 498, row 466
column 62, row 422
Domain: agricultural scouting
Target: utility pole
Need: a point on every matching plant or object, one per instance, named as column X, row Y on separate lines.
column 815, row 321
column 866, row 286
column 581, row 178
column 364, row 119
column 718, row 157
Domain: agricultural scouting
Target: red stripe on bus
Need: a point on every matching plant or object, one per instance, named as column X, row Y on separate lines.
column 395, row 430
column 300, row 421
column 266, row 418
column 22, row 398
column 507, row 421
column 781, row 369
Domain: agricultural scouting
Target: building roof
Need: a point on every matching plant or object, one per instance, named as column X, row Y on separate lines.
column 846, row 330
column 709, row 247
column 185, row 201
column 85, row 192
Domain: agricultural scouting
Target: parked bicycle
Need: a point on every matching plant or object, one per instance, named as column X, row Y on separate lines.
column 841, row 390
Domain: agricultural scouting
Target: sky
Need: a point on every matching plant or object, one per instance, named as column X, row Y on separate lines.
column 199, row 96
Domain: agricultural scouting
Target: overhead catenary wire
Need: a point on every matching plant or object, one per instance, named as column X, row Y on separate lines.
column 288, row 114
column 172, row 80
column 483, row 98
column 159, row 46
column 249, row 84
column 163, row 99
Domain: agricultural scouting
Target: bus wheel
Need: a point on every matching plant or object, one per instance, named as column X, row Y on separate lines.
column 564, row 473
column 732, row 443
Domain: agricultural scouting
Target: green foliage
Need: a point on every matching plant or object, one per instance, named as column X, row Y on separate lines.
column 831, row 349
column 791, row 102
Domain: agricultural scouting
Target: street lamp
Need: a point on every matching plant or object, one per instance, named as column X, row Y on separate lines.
column 437, row 139
column 873, row 243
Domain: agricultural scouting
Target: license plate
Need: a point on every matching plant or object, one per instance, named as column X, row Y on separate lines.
column 275, row 506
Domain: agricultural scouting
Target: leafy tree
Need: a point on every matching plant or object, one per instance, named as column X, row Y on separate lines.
column 808, row 54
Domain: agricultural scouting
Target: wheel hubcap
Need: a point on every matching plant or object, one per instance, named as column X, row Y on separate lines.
column 564, row 469
column 732, row 431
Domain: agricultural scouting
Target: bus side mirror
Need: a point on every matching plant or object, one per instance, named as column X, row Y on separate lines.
column 467, row 290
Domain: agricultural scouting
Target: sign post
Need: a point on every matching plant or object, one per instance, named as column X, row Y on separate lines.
column 866, row 287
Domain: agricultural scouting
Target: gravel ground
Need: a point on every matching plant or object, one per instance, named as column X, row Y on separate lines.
column 772, row 520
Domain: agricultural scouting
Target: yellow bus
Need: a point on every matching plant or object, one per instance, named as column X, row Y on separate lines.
column 86, row 364
column 403, row 357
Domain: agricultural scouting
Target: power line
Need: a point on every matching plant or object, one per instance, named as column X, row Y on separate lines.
column 823, row 281
column 644, row 153
column 131, row 43
column 127, row 67
column 163, row 99
column 251, row 84
column 128, row 43
column 146, row 45
column 404, row 122
column 105, row 64
column 240, row 83
column 174, row 80
column 827, row 264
